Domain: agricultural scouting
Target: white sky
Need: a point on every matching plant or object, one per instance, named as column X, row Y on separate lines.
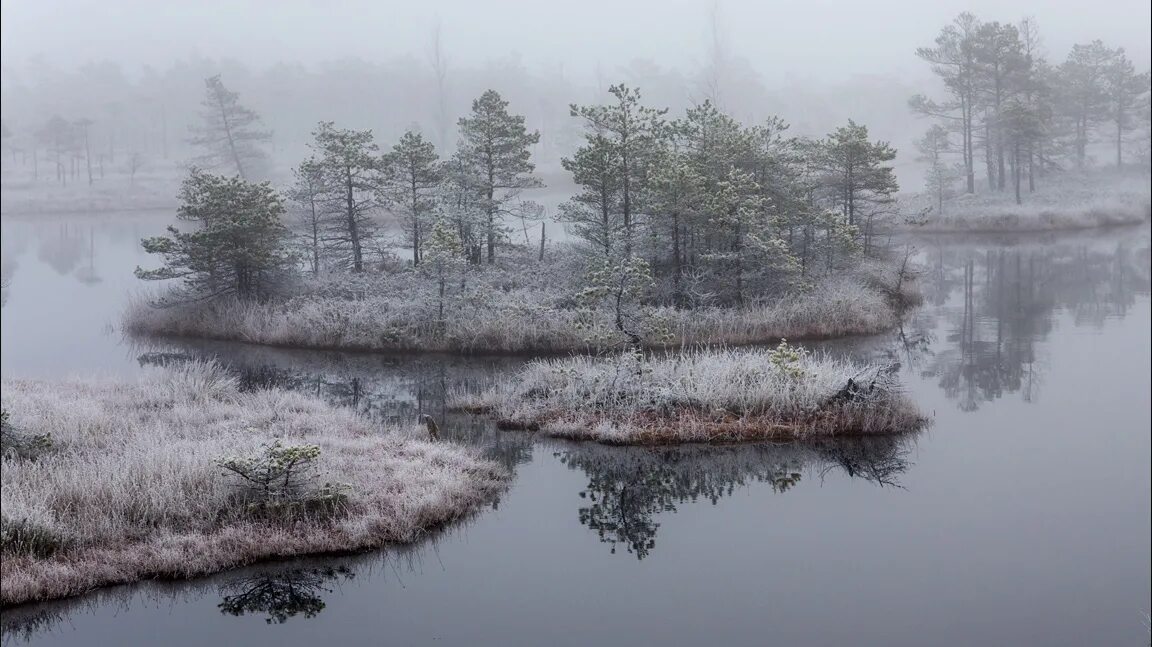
column 817, row 40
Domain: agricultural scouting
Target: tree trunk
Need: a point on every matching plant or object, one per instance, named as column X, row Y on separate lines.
column 541, row 241
column 1016, row 170
column 88, row 156
column 231, row 142
column 315, row 238
column 415, row 222
column 677, row 266
column 1119, row 140
column 969, row 161
column 353, row 226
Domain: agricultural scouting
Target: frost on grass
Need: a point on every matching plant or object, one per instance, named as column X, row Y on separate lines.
column 701, row 396
column 143, row 481
column 1071, row 200
column 513, row 310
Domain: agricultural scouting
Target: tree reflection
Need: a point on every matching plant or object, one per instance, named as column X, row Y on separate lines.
column 281, row 594
column 63, row 250
column 388, row 389
column 996, row 305
column 629, row 487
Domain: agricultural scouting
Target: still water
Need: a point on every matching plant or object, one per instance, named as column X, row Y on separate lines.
column 1021, row 517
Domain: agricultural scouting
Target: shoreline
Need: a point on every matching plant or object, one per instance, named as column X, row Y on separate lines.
column 845, row 308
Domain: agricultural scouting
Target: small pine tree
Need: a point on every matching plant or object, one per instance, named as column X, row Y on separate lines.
column 238, row 248
column 443, row 255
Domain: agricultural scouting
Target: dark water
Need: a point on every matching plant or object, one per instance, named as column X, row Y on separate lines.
column 1020, row 518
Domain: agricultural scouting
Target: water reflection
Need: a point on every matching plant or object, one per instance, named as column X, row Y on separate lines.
column 281, row 593
column 276, row 592
column 629, row 487
column 992, row 305
column 385, row 388
column 61, row 250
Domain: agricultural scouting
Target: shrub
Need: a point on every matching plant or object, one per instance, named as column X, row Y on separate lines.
column 279, row 482
column 19, row 444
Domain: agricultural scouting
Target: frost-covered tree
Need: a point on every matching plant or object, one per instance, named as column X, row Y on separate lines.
column 675, row 198
column 954, row 60
column 494, row 160
column 623, row 138
column 308, row 192
column 1001, row 68
column 940, row 176
column 443, row 257
column 1020, row 125
column 411, row 178
column 1083, row 79
column 229, row 135
column 238, row 246
column 856, row 175
column 348, row 162
column 1124, row 88
column 594, row 211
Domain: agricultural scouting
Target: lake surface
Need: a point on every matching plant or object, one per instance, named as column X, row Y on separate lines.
column 1021, row 517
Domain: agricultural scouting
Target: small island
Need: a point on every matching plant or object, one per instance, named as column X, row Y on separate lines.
column 677, row 232
column 701, row 396
column 182, row 474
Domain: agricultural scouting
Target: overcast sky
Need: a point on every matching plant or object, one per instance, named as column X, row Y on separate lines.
column 821, row 40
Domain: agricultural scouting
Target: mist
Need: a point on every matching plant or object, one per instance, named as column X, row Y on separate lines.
column 370, row 65
column 615, row 322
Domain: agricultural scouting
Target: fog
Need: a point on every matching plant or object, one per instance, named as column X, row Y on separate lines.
column 368, row 64
column 784, row 40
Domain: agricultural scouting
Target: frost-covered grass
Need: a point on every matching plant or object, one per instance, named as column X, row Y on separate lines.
column 129, row 488
column 1061, row 202
column 397, row 312
column 700, row 396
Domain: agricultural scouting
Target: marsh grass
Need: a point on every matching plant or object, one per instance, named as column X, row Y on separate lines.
column 132, row 488
column 700, row 396
column 388, row 316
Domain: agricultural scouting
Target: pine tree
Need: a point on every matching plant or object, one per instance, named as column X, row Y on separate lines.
column 1084, row 92
column 953, row 59
column 308, row 191
column 1001, row 68
column 442, row 257
column 594, row 212
column 229, row 133
column 411, row 176
column 856, row 178
column 238, row 246
column 627, row 137
column 349, row 165
column 1124, row 88
column 934, row 147
column 494, row 158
